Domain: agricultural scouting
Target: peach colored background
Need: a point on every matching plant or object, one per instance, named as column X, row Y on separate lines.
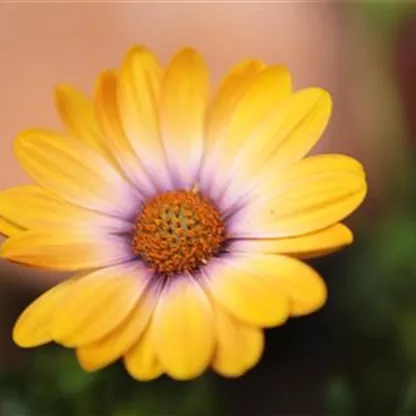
column 45, row 44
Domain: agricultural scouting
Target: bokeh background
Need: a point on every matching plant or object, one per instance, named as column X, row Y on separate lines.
column 357, row 356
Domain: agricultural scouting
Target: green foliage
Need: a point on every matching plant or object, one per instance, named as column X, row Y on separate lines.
column 380, row 307
column 407, row 405
column 385, row 15
column 339, row 398
column 382, row 276
column 54, row 384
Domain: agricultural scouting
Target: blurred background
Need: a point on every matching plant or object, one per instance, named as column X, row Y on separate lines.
column 357, row 356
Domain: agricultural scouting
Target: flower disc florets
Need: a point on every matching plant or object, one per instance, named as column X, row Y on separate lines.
column 178, row 231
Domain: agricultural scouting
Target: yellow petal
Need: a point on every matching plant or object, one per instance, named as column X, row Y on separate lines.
column 239, row 346
column 305, row 246
column 118, row 342
column 234, row 85
column 77, row 174
column 303, row 119
column 141, row 361
column 99, row 303
column 303, row 287
column 248, row 295
column 33, row 326
column 257, row 106
column 326, row 164
column 183, row 329
column 66, row 250
column 9, row 228
column 269, row 88
column 183, row 103
column 286, row 136
column 31, row 207
column 77, row 114
column 312, row 194
column 108, row 115
column 138, row 93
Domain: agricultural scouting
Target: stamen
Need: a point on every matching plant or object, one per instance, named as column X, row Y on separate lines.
column 178, row 231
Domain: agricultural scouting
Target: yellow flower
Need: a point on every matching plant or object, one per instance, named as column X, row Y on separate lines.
column 183, row 217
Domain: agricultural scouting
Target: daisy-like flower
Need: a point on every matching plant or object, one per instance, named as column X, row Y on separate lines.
column 183, row 217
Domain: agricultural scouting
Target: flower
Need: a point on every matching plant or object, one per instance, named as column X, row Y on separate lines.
column 183, row 218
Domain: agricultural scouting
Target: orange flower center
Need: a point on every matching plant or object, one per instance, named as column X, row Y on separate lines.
column 178, row 231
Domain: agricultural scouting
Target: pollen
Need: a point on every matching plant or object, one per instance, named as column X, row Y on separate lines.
column 178, row 231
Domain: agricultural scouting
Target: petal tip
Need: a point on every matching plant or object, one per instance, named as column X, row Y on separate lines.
column 189, row 56
column 186, row 50
column 22, row 342
column 185, row 375
column 25, row 138
column 320, row 96
column 16, row 336
column 64, row 96
column 62, row 90
column 137, row 49
column 319, row 300
column 89, row 366
column 349, row 236
column 144, row 374
column 4, row 250
column 139, row 52
column 107, row 74
column 362, row 190
column 105, row 81
column 23, row 339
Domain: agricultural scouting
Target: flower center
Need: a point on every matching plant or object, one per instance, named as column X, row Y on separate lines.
column 178, row 231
